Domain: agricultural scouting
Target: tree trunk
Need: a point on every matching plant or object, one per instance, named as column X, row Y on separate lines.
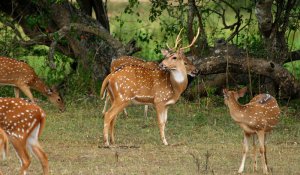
column 69, row 31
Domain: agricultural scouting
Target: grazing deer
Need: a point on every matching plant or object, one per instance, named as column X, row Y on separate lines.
column 258, row 117
column 141, row 85
column 23, row 122
column 22, row 77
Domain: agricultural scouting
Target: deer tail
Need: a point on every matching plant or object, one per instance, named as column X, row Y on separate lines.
column 104, row 87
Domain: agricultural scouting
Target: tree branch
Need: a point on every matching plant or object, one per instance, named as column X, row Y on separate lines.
column 288, row 85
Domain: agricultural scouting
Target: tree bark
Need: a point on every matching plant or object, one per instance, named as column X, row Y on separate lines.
column 273, row 29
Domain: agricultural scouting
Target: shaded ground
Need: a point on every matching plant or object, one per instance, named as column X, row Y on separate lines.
column 203, row 141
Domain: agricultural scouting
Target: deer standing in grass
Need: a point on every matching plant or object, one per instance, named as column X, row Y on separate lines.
column 23, row 122
column 130, row 61
column 22, row 77
column 257, row 117
column 142, row 85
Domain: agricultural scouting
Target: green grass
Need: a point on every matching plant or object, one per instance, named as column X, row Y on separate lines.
column 73, row 142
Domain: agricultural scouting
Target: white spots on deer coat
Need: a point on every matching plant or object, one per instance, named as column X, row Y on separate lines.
column 15, row 122
column 261, row 113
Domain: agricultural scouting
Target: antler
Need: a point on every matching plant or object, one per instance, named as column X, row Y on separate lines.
column 193, row 42
column 178, row 39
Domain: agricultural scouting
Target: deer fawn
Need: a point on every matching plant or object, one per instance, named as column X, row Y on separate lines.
column 142, row 85
column 22, row 77
column 23, row 122
column 258, row 117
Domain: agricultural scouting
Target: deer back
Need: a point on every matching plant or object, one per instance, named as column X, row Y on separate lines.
column 13, row 72
column 138, row 83
column 130, row 60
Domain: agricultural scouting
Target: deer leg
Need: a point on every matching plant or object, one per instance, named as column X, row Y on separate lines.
column 254, row 154
column 17, row 92
column 262, row 149
column 26, row 90
column 109, row 116
column 22, row 155
column 245, row 151
column 105, row 104
column 112, row 130
column 146, row 111
column 34, row 146
column 41, row 155
column 162, row 114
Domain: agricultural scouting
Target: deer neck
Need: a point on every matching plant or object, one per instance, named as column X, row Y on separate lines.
column 179, row 81
column 236, row 110
column 40, row 86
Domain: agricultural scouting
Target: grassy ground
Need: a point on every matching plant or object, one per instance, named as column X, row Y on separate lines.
column 203, row 141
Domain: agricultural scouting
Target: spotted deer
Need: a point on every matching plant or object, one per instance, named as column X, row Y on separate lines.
column 258, row 117
column 141, row 85
column 23, row 123
column 22, row 77
column 123, row 61
column 130, row 60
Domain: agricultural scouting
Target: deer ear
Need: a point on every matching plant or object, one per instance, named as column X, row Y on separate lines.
column 242, row 91
column 165, row 52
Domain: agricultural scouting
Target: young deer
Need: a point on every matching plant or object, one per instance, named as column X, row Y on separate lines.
column 141, row 85
column 257, row 117
column 22, row 77
column 23, row 122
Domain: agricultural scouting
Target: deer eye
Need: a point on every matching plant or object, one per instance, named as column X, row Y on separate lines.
column 174, row 58
column 58, row 99
column 185, row 63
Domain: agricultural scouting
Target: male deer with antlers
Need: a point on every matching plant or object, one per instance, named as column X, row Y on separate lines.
column 23, row 122
column 22, row 77
column 141, row 85
column 130, row 61
column 258, row 117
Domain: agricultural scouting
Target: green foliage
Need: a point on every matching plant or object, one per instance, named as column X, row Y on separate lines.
column 294, row 68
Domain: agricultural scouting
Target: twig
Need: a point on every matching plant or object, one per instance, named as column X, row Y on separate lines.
column 197, row 162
